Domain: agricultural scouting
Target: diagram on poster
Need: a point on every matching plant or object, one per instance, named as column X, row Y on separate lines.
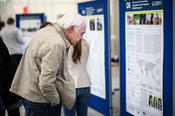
column 144, row 63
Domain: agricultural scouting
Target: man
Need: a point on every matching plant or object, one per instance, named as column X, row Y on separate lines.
column 44, row 66
column 12, row 37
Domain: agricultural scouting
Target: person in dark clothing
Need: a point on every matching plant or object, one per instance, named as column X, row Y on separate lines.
column 6, row 76
column 12, row 37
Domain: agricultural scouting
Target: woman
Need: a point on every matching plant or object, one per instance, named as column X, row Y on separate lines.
column 77, row 61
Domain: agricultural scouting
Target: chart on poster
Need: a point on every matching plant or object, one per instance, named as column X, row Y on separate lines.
column 144, row 57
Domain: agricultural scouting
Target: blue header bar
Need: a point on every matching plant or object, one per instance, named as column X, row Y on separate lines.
column 92, row 10
column 135, row 5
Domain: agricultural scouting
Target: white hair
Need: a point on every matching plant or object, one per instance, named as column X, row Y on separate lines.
column 71, row 19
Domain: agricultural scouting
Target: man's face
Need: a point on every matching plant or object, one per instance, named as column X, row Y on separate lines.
column 75, row 36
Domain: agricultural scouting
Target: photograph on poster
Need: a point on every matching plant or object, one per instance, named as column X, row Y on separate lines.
column 157, row 18
column 92, row 24
column 149, row 18
column 142, row 19
column 130, row 19
column 136, row 19
column 99, row 24
column 155, row 102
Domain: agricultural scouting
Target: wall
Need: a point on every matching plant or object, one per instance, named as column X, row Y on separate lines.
column 54, row 8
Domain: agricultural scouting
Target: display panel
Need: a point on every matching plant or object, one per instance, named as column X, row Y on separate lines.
column 144, row 63
column 95, row 36
column 29, row 24
column 146, row 57
column 96, row 15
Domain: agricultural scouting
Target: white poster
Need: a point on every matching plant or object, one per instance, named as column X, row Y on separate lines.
column 96, row 62
column 144, row 63
column 28, row 28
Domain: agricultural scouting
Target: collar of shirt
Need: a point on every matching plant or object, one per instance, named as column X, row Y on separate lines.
column 58, row 29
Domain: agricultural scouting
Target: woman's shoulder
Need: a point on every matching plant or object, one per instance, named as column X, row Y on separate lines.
column 84, row 42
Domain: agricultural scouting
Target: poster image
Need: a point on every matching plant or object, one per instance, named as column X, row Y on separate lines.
column 144, row 19
column 155, row 102
column 95, row 36
column 130, row 19
column 144, row 63
column 92, row 24
column 99, row 24
column 136, row 19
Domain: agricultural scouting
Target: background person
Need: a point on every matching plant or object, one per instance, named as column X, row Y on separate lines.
column 77, row 63
column 44, row 66
column 12, row 37
column 2, row 108
column 7, row 99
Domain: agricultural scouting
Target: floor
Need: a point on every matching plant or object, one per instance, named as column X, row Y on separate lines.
column 115, row 96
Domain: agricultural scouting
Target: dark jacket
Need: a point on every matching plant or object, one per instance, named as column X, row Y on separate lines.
column 6, row 76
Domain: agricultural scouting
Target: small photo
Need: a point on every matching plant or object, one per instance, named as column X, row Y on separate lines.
column 136, row 19
column 99, row 24
column 92, row 24
column 149, row 18
column 130, row 19
column 150, row 100
column 155, row 104
column 160, row 104
column 157, row 18
column 142, row 19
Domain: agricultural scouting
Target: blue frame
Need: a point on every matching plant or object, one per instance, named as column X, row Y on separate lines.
column 167, row 62
column 168, row 59
column 97, row 103
column 40, row 16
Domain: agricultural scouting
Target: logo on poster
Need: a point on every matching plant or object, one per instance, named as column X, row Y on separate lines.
column 83, row 11
column 156, row 3
column 128, row 5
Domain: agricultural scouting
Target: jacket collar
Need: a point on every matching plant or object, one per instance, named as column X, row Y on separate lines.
column 58, row 29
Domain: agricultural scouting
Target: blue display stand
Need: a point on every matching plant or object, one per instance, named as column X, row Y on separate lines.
column 39, row 16
column 99, row 104
column 29, row 24
column 167, row 50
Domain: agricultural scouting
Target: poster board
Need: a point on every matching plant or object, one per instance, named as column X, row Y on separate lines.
column 96, row 34
column 146, row 55
column 29, row 24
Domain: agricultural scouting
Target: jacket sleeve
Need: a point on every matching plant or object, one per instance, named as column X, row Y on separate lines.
column 50, row 65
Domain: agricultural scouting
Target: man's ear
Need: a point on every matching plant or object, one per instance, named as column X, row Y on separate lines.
column 71, row 29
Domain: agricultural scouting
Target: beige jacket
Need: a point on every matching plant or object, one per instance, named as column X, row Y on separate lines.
column 43, row 64
column 79, row 71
